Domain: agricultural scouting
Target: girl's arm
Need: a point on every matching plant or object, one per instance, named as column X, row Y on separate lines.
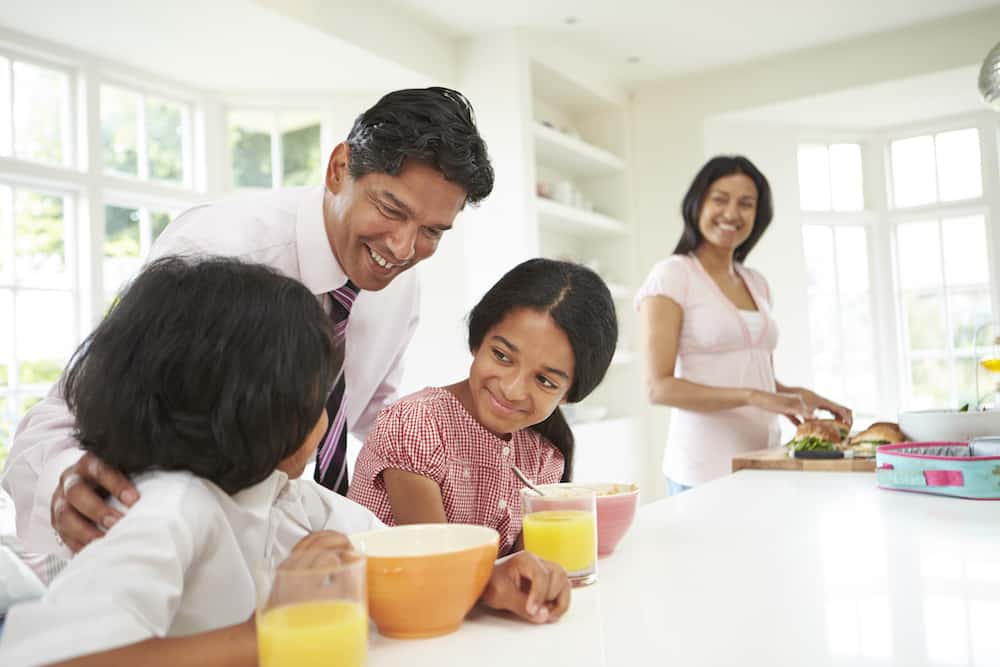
column 414, row 498
column 662, row 318
column 235, row 646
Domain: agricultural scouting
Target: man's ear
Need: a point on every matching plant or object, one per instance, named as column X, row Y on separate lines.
column 337, row 174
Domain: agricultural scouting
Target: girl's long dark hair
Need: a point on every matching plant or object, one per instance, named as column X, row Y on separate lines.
column 581, row 305
column 716, row 168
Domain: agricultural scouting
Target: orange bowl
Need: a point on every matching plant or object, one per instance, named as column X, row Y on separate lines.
column 616, row 507
column 423, row 579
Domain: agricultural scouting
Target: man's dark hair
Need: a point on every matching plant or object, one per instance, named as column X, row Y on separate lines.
column 213, row 366
column 433, row 125
column 716, row 168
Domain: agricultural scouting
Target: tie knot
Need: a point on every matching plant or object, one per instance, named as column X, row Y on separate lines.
column 345, row 296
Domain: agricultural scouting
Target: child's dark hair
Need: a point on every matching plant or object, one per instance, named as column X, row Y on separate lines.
column 580, row 304
column 209, row 365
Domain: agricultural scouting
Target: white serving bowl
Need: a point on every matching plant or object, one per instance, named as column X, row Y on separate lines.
column 949, row 425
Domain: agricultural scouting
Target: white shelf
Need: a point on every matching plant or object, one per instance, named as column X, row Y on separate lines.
column 577, row 221
column 571, row 156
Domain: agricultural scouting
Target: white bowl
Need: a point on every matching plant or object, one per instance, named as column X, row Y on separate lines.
column 949, row 425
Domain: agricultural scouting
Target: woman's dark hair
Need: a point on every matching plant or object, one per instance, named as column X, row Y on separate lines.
column 580, row 304
column 213, row 366
column 433, row 125
column 716, row 168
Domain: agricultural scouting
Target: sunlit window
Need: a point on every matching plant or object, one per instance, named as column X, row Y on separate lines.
column 830, row 177
column 129, row 233
column 944, row 167
column 269, row 149
column 35, row 112
column 144, row 136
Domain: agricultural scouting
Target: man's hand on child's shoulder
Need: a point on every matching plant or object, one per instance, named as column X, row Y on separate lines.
column 529, row 587
column 79, row 503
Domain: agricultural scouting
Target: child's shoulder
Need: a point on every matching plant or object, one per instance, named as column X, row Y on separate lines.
column 429, row 402
column 173, row 494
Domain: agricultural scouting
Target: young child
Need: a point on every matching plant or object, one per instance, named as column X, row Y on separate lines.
column 207, row 383
column 542, row 336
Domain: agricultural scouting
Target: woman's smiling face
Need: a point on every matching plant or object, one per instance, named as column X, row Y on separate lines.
column 728, row 212
column 521, row 372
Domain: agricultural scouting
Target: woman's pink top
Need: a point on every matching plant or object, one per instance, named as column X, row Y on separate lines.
column 430, row 433
column 717, row 348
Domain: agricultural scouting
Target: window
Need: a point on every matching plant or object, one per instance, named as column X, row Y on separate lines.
column 35, row 112
column 275, row 149
column 944, row 167
column 39, row 320
column 144, row 136
column 944, row 296
column 830, row 177
column 129, row 233
column 840, row 315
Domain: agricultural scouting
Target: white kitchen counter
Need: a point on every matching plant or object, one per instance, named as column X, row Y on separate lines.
column 768, row 568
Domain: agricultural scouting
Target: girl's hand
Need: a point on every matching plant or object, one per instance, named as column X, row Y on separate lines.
column 324, row 547
column 529, row 587
column 791, row 405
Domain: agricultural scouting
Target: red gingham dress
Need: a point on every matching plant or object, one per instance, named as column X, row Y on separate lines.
column 430, row 433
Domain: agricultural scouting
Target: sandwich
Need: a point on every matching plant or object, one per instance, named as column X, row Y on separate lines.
column 879, row 433
column 819, row 434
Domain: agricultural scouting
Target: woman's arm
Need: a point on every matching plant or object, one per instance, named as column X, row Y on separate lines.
column 662, row 318
column 234, row 646
column 414, row 498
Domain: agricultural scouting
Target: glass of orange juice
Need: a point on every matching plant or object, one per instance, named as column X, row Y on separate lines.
column 561, row 526
column 315, row 616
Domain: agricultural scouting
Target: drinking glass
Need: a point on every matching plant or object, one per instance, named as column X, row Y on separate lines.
column 561, row 526
column 315, row 614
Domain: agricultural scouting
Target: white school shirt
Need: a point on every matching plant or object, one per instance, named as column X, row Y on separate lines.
column 181, row 561
column 719, row 346
column 283, row 229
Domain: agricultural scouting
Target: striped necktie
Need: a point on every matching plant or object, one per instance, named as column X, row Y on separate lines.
column 331, row 456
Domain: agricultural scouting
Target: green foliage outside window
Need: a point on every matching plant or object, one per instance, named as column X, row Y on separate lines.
column 40, row 371
column 251, row 155
column 39, row 225
column 164, row 128
column 300, row 156
column 121, row 232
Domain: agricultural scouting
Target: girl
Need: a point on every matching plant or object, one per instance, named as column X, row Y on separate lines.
column 710, row 336
column 207, row 381
column 542, row 336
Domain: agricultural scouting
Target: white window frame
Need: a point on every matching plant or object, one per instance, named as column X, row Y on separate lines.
column 881, row 219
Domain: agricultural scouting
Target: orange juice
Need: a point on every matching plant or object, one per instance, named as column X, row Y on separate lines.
column 313, row 634
column 992, row 365
column 567, row 537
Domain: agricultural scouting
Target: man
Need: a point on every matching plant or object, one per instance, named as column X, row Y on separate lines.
column 391, row 190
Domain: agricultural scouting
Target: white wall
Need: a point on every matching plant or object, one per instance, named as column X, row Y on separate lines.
column 673, row 136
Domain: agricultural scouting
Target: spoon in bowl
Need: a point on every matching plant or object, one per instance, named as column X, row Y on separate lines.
column 521, row 476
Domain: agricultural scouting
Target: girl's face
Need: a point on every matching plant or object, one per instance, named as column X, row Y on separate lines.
column 521, row 372
column 727, row 214
column 295, row 464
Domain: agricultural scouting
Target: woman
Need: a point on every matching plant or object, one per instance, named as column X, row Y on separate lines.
column 709, row 331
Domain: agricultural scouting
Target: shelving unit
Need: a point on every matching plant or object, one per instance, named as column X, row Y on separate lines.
column 573, row 220
column 572, row 155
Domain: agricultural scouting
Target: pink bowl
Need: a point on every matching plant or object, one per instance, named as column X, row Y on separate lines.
column 616, row 506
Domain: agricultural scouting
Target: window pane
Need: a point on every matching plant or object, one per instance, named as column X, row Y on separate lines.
column 969, row 311
column 852, row 260
column 913, row 171
column 6, row 235
column 919, row 255
column 158, row 222
column 862, row 387
column 965, row 381
column 250, row 149
column 300, row 151
column 41, row 109
column 925, row 321
column 817, row 244
column 845, row 177
column 45, row 335
column 5, row 107
column 6, row 428
column 965, row 254
column 39, row 239
column 959, row 173
column 6, row 337
column 119, row 130
column 814, row 178
column 931, row 384
column 122, row 253
column 165, row 130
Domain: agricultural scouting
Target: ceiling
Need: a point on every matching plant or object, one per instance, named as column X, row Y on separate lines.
column 672, row 38
column 231, row 45
column 893, row 103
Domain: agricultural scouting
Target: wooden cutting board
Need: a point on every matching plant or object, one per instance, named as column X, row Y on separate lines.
column 776, row 458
